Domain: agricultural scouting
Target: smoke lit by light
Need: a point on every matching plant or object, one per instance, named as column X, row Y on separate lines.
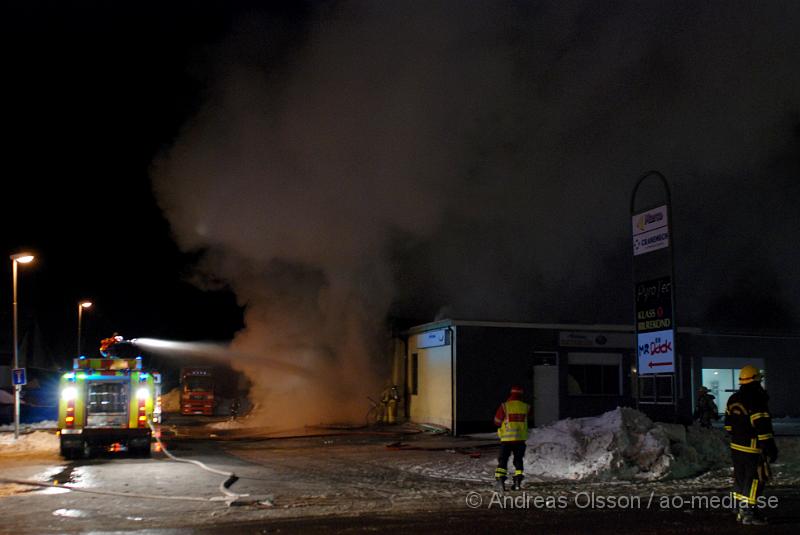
column 477, row 160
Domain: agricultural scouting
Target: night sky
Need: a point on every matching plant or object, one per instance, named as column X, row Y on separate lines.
column 197, row 167
column 92, row 92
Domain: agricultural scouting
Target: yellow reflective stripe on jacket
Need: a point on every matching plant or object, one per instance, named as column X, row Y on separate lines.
column 765, row 437
column 745, row 449
column 736, row 408
column 756, row 415
column 515, row 423
column 728, row 428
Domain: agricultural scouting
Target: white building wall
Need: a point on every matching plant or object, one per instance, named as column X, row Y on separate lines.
column 434, row 398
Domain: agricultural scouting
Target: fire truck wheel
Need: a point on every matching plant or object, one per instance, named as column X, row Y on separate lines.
column 69, row 452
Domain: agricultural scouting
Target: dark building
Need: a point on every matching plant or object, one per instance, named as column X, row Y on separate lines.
column 457, row 372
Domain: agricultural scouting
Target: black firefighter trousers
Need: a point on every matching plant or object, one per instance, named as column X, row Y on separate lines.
column 506, row 449
column 750, row 474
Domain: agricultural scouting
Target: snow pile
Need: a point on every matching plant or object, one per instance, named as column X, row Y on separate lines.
column 622, row 444
column 44, row 424
column 36, row 442
column 701, row 451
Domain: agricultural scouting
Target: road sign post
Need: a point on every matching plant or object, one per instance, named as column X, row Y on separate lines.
column 18, row 379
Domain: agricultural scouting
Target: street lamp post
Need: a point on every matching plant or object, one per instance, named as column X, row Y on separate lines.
column 81, row 306
column 19, row 258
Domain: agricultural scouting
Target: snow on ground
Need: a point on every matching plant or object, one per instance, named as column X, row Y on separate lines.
column 35, row 442
column 250, row 416
column 230, row 424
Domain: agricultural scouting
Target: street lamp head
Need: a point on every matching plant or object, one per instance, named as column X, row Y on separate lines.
column 86, row 304
column 22, row 258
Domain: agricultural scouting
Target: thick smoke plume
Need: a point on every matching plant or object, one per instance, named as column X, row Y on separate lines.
column 479, row 157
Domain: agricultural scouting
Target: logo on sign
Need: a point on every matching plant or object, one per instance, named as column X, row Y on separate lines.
column 655, row 347
column 650, row 241
column 656, row 352
column 648, row 219
column 654, row 305
column 650, row 230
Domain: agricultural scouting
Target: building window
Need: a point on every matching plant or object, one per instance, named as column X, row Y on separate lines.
column 594, row 374
column 656, row 389
column 414, row 374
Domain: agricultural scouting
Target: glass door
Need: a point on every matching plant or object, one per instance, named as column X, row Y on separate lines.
column 721, row 382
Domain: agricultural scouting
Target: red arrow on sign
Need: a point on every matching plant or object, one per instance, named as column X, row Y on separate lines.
column 660, row 364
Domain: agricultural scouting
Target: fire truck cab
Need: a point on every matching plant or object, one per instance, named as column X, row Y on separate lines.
column 197, row 391
column 107, row 403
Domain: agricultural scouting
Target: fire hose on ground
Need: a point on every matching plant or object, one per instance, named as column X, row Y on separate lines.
column 227, row 496
column 231, row 498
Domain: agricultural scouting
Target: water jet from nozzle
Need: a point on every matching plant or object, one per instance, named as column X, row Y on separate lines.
column 215, row 351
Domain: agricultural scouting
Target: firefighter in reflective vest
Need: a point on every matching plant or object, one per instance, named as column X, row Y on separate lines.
column 752, row 444
column 512, row 421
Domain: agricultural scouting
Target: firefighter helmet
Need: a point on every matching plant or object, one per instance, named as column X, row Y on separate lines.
column 748, row 374
column 516, row 389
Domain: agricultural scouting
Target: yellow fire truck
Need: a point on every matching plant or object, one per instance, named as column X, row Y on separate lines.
column 107, row 403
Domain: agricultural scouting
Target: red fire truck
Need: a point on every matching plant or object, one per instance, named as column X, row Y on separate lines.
column 197, row 391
